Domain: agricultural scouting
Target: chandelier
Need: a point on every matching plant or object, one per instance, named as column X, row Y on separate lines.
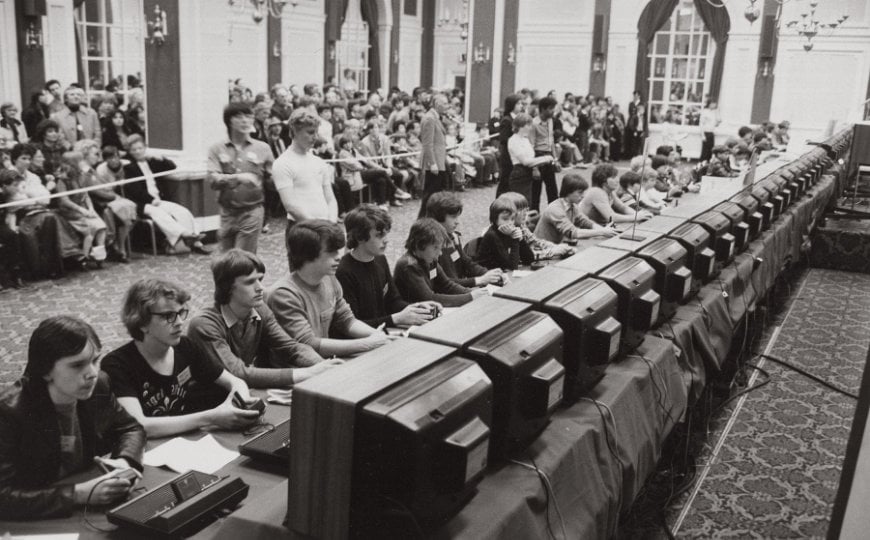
column 809, row 26
column 261, row 8
column 459, row 20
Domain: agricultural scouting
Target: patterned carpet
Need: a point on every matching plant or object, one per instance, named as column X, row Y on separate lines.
column 777, row 472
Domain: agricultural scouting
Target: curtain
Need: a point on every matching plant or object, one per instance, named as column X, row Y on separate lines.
column 652, row 19
column 718, row 23
column 369, row 9
column 335, row 14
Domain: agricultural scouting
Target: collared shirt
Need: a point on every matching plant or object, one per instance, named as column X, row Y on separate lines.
column 231, row 319
column 252, row 156
column 542, row 136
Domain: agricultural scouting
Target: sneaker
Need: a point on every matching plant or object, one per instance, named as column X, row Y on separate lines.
column 403, row 195
column 384, row 206
column 266, row 229
column 396, row 203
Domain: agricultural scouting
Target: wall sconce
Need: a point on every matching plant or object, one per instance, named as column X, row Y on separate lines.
column 276, row 49
column 33, row 36
column 599, row 63
column 463, row 58
column 332, row 51
column 766, row 68
column 395, row 56
column 157, row 29
column 482, row 54
column 511, row 56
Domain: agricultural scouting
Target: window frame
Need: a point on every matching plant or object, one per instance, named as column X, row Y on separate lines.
column 130, row 27
column 697, row 32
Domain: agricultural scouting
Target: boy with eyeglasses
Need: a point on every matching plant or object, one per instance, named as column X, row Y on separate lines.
column 162, row 378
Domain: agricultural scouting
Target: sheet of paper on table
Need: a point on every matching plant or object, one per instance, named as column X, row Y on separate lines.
column 520, row 273
column 281, row 396
column 181, row 455
column 58, row 536
column 490, row 288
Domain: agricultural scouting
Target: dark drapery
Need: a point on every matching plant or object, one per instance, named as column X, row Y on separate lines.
column 653, row 17
column 718, row 23
column 369, row 9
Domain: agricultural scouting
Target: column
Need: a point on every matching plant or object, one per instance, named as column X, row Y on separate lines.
column 509, row 49
column 600, row 32
column 762, row 94
column 163, row 81
column 481, row 40
column 31, row 59
column 274, row 50
column 427, row 60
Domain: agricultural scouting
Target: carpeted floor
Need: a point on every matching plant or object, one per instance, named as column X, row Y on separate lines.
column 777, row 471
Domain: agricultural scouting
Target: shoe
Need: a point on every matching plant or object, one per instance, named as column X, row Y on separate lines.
column 17, row 283
column 403, row 195
column 396, row 203
column 266, row 229
column 384, row 206
column 199, row 248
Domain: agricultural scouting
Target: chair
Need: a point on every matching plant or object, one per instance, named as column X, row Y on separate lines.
column 152, row 229
column 472, row 247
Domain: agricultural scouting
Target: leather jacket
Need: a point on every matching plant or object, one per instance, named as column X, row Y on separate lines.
column 30, row 446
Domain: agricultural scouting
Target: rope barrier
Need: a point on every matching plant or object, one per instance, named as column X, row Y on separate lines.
column 37, row 200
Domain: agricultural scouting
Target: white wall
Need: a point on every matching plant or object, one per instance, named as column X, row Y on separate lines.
column 448, row 49
column 59, row 42
column 621, row 51
column 217, row 43
column 9, row 80
column 410, row 48
column 302, row 55
column 554, row 40
column 829, row 82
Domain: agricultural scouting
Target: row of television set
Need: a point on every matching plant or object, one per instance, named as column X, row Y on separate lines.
column 407, row 431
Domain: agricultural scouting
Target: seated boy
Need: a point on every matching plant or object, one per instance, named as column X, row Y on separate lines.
column 533, row 248
column 161, row 377
column 309, row 303
column 365, row 277
column 445, row 208
column 240, row 333
column 562, row 219
column 55, row 420
column 419, row 277
column 500, row 245
column 632, row 183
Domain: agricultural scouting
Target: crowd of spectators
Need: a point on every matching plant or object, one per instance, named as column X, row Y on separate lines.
column 315, row 152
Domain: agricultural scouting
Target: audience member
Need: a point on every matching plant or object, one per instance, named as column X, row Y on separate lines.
column 433, row 158
column 522, row 156
column 240, row 332
column 11, row 255
column 56, row 420
column 175, row 221
column 9, row 121
column 78, row 210
column 237, row 168
column 303, row 180
column 36, row 111
column 543, row 139
column 76, row 120
column 117, row 212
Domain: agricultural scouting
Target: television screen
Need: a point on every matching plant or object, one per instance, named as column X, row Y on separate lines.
column 638, row 304
column 750, row 206
column 399, row 434
column 739, row 227
column 673, row 280
column 520, row 350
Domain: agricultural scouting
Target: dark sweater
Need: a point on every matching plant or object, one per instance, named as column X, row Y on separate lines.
column 417, row 283
column 498, row 250
column 369, row 289
column 456, row 264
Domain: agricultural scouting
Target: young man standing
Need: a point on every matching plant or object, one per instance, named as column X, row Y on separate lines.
column 240, row 332
column 543, row 142
column 303, row 180
column 237, row 169
column 309, row 303
column 433, row 159
column 365, row 276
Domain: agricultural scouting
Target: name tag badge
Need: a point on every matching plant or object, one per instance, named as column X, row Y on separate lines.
column 454, row 256
column 67, row 444
column 253, row 157
column 433, row 273
column 386, row 288
column 184, row 376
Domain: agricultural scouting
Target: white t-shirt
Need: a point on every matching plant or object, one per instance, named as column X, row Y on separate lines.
column 306, row 175
column 520, row 149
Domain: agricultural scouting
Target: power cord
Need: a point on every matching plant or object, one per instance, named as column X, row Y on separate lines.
column 85, row 518
column 550, row 495
column 809, row 375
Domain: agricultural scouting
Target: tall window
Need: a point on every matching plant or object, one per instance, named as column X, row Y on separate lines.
column 110, row 37
column 352, row 51
column 680, row 63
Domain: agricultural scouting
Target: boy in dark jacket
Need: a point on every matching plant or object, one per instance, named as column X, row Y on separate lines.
column 445, row 208
column 501, row 246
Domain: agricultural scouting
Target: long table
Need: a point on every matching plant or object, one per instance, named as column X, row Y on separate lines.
column 597, row 454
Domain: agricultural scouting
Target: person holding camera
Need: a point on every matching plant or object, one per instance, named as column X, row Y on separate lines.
column 55, row 420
